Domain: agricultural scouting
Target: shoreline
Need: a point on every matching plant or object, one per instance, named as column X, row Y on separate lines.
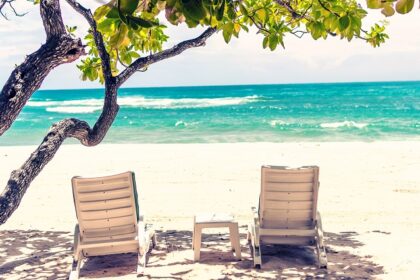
column 317, row 141
column 368, row 196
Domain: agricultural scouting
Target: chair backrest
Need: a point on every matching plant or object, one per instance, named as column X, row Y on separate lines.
column 106, row 207
column 288, row 198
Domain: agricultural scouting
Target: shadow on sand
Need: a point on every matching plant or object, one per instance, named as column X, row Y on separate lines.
column 36, row 254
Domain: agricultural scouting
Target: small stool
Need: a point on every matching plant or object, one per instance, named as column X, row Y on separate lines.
column 215, row 221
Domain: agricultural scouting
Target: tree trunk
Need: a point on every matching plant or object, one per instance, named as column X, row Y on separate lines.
column 26, row 78
column 21, row 178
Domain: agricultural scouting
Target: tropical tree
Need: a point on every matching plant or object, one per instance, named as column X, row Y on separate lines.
column 127, row 36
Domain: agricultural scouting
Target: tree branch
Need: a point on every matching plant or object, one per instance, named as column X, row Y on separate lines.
column 9, row 3
column 26, row 78
column 103, row 54
column 21, row 178
column 153, row 58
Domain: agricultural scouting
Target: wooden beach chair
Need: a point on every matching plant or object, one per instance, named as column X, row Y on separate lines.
column 109, row 220
column 287, row 211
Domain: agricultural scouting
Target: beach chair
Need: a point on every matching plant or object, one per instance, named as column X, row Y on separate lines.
column 109, row 220
column 287, row 211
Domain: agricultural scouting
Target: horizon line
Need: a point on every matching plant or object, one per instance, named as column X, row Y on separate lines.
column 233, row 85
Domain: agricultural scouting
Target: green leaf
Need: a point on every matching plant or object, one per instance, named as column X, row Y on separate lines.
column 404, row 6
column 107, row 25
column 101, row 12
column 374, row 4
column 221, row 11
column 142, row 22
column 113, row 13
column 273, row 42
column 317, row 30
column 343, row 23
column 117, row 39
column 127, row 7
column 261, row 14
column 194, row 9
column 265, row 42
column 227, row 31
column 243, row 9
column 388, row 10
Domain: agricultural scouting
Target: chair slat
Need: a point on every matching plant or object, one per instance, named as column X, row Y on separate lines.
column 108, row 223
column 104, row 214
column 104, row 195
column 288, row 187
column 105, row 204
column 297, row 215
column 288, row 205
column 103, row 232
column 102, row 187
column 289, row 178
column 288, row 196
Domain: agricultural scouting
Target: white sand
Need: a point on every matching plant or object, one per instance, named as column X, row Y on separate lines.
column 369, row 200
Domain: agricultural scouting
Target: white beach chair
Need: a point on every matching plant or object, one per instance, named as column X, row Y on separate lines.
column 287, row 211
column 109, row 220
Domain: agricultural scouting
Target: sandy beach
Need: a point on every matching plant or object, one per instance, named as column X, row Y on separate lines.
column 369, row 201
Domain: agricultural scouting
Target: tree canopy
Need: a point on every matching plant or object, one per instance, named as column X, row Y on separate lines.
column 134, row 28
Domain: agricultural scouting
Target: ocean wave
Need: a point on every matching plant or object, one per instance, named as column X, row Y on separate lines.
column 74, row 109
column 344, row 124
column 275, row 123
column 150, row 103
column 181, row 123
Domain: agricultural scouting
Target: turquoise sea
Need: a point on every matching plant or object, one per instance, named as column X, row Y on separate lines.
column 244, row 113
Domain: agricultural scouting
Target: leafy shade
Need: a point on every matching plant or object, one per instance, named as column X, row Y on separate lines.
column 390, row 6
column 132, row 28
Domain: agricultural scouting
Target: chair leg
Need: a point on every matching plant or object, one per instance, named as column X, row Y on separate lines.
column 147, row 237
column 141, row 263
column 77, row 256
column 234, row 239
column 193, row 236
column 254, row 241
column 75, row 268
column 154, row 241
column 320, row 247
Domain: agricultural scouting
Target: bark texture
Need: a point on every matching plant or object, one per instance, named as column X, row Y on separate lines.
column 26, row 78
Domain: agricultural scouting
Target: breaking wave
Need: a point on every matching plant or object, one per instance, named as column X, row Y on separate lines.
column 74, row 109
column 344, row 124
column 91, row 105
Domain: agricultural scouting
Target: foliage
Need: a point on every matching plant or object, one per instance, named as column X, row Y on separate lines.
column 133, row 28
column 390, row 6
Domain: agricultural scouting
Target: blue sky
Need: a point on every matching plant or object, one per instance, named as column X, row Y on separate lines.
column 241, row 62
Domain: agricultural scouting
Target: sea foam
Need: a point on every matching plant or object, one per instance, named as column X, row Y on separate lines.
column 344, row 124
column 91, row 105
column 74, row 109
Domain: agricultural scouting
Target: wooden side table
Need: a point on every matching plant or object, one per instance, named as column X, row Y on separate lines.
column 215, row 221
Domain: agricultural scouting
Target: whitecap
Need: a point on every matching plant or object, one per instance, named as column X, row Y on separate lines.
column 153, row 103
column 275, row 123
column 344, row 124
column 74, row 109
column 181, row 123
